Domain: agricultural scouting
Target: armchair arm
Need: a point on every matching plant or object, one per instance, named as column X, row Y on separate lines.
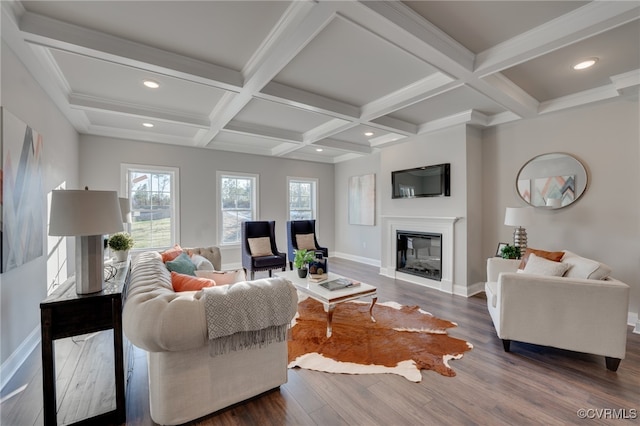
column 497, row 265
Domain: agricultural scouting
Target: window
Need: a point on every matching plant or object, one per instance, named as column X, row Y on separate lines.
column 302, row 198
column 152, row 192
column 238, row 203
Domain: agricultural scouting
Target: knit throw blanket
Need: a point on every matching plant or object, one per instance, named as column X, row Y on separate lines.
column 249, row 314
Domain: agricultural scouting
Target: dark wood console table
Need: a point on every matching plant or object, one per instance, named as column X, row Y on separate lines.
column 64, row 314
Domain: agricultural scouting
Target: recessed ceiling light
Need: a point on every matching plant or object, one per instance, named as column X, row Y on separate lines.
column 147, row 124
column 368, row 133
column 319, row 149
column 151, row 84
column 586, row 63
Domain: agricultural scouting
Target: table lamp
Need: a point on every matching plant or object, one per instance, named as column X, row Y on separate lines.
column 518, row 216
column 86, row 215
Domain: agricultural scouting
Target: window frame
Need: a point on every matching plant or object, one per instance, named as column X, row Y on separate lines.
column 255, row 202
column 314, row 194
column 175, row 197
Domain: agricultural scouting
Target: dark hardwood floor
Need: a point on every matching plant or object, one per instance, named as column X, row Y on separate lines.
column 531, row 385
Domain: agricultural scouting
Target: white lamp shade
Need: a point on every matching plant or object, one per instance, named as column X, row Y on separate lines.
column 125, row 210
column 517, row 216
column 84, row 213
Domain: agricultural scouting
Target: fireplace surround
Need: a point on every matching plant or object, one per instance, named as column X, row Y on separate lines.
column 419, row 224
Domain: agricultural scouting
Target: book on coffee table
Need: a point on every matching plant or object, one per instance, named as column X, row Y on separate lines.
column 339, row 283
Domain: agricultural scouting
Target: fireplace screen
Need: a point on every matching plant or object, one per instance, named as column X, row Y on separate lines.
column 419, row 254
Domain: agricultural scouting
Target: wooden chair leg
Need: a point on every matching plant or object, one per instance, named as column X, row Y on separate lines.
column 612, row 363
column 269, row 273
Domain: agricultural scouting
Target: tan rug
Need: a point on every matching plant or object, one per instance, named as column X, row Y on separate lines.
column 403, row 340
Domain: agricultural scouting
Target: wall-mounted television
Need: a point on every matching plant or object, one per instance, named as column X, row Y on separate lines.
column 427, row 181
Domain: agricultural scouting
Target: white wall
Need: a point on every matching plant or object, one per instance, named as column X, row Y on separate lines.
column 22, row 289
column 605, row 223
column 100, row 160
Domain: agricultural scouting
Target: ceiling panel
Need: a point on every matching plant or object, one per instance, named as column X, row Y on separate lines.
column 348, row 63
column 277, row 115
column 479, row 25
column 551, row 76
column 120, row 122
column 113, row 82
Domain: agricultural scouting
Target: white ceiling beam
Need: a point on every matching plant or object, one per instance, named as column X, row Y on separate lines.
column 267, row 132
column 146, row 136
column 60, row 35
column 579, row 24
column 327, row 129
column 345, row 146
column 585, row 97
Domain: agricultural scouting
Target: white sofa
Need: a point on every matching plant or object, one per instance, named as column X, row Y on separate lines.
column 577, row 314
column 185, row 381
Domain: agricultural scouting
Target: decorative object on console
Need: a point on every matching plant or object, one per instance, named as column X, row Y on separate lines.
column 552, row 180
column 87, row 215
column 509, row 252
column 518, row 216
column 121, row 243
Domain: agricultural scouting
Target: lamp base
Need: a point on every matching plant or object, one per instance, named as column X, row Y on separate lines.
column 520, row 239
column 89, row 264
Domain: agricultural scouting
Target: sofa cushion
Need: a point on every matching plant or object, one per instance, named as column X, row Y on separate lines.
column 260, row 246
column 182, row 282
column 171, row 253
column 581, row 267
column 202, row 263
column 182, row 264
column 224, row 277
column 555, row 256
column 305, row 241
column 541, row 266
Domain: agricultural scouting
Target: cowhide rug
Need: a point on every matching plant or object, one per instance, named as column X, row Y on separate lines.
column 403, row 340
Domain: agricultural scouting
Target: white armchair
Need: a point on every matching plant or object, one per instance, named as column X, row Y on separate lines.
column 582, row 315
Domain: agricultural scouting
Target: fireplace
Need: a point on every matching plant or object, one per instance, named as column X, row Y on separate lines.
column 419, row 253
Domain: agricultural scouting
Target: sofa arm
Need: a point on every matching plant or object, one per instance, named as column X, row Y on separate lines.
column 576, row 314
column 497, row 265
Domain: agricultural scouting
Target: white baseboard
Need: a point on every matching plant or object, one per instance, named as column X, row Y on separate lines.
column 633, row 319
column 19, row 356
column 359, row 259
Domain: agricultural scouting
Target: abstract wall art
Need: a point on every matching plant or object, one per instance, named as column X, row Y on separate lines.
column 362, row 199
column 558, row 187
column 22, row 200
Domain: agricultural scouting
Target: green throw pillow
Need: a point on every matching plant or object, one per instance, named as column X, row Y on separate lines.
column 182, row 265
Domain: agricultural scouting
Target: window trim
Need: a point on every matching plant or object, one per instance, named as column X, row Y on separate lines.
column 175, row 197
column 255, row 200
column 314, row 196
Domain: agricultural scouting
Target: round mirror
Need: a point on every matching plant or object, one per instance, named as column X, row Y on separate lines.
column 553, row 180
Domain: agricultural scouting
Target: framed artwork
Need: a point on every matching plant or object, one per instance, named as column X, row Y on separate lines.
column 362, row 199
column 22, row 200
column 499, row 249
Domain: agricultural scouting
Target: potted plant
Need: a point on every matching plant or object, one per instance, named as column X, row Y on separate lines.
column 510, row 252
column 120, row 243
column 301, row 260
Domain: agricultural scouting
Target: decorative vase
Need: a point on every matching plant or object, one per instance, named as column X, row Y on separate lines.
column 121, row 255
column 302, row 272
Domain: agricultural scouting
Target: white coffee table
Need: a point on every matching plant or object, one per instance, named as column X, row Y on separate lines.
column 331, row 298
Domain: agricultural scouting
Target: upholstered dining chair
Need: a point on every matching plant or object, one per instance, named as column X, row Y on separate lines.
column 301, row 234
column 259, row 250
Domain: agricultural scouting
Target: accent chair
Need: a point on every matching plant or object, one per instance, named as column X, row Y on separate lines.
column 302, row 234
column 259, row 250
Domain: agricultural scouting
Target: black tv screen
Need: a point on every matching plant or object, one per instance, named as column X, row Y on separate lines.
column 427, row 181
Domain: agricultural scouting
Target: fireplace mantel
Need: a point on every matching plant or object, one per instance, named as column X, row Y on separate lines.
column 439, row 225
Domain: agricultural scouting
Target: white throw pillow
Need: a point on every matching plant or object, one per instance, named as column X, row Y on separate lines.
column 305, row 241
column 202, row 263
column 581, row 267
column 541, row 266
column 260, row 246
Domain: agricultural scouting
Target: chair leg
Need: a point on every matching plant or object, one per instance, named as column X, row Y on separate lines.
column 290, row 266
column 612, row 363
column 253, row 274
column 270, row 273
column 506, row 344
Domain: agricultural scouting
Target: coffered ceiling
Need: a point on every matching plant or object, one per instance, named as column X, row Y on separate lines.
column 291, row 78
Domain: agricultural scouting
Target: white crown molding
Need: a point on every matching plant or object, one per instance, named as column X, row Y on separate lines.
column 140, row 135
column 585, row 97
column 626, row 80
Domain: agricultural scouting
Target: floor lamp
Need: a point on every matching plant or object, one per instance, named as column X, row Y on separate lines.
column 518, row 216
column 86, row 215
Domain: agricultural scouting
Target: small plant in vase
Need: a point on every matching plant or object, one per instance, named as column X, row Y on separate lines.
column 301, row 260
column 511, row 252
column 121, row 243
